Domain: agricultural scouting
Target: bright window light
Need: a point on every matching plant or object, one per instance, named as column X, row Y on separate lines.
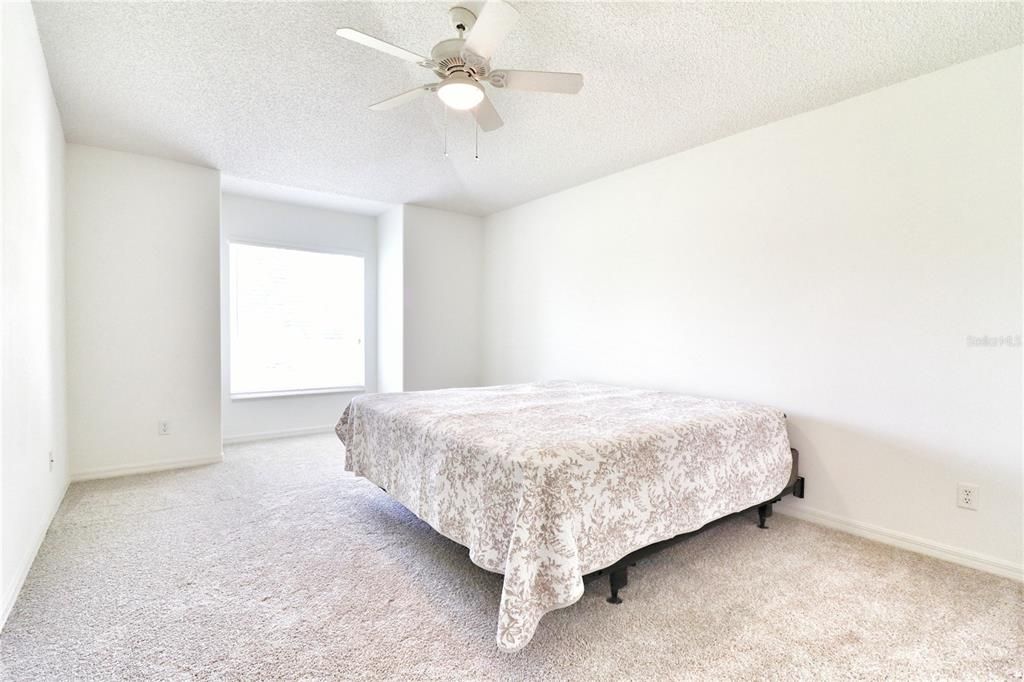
column 297, row 320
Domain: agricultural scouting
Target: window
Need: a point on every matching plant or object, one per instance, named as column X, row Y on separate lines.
column 296, row 321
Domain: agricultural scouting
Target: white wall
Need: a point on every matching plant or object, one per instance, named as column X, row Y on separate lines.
column 390, row 300
column 443, row 253
column 832, row 264
column 304, row 227
column 143, row 315
column 32, row 369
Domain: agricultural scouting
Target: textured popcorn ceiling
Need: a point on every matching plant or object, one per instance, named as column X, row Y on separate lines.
column 266, row 91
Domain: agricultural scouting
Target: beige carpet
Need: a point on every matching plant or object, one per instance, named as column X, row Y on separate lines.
column 277, row 564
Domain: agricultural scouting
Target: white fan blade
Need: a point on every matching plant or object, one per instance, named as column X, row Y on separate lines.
column 487, row 116
column 378, row 44
column 398, row 100
column 495, row 21
column 539, row 81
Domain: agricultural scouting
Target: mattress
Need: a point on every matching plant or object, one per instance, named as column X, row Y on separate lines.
column 546, row 482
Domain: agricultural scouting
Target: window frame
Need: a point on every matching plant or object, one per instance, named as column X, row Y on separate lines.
column 274, row 244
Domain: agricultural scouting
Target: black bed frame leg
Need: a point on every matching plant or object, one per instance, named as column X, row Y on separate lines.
column 619, row 578
column 763, row 512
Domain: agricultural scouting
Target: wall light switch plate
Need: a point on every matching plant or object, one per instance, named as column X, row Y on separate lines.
column 967, row 496
column 164, row 428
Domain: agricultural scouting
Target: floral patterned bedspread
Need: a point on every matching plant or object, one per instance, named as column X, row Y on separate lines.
column 547, row 482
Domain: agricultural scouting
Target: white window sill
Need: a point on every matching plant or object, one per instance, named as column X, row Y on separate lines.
column 289, row 394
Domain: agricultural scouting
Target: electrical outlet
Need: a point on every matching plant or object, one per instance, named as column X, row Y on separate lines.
column 967, row 496
column 164, row 428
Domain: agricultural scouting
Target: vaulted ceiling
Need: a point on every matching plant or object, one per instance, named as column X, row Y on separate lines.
column 266, row 91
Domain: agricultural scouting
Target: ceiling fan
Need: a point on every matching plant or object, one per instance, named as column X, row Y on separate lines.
column 464, row 64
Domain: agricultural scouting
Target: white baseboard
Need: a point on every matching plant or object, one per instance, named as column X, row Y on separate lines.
column 25, row 565
column 112, row 472
column 270, row 435
column 956, row 555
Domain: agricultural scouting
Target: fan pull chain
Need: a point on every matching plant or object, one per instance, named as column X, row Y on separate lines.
column 445, row 131
column 476, row 141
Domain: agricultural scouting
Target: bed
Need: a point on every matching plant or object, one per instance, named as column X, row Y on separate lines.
column 545, row 483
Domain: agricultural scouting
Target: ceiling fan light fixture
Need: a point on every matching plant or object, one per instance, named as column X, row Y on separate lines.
column 460, row 92
column 463, row 64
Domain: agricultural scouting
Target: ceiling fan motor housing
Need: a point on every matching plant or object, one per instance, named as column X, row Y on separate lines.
column 448, row 59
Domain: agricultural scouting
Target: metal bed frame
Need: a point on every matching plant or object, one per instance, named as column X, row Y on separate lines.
column 618, row 573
